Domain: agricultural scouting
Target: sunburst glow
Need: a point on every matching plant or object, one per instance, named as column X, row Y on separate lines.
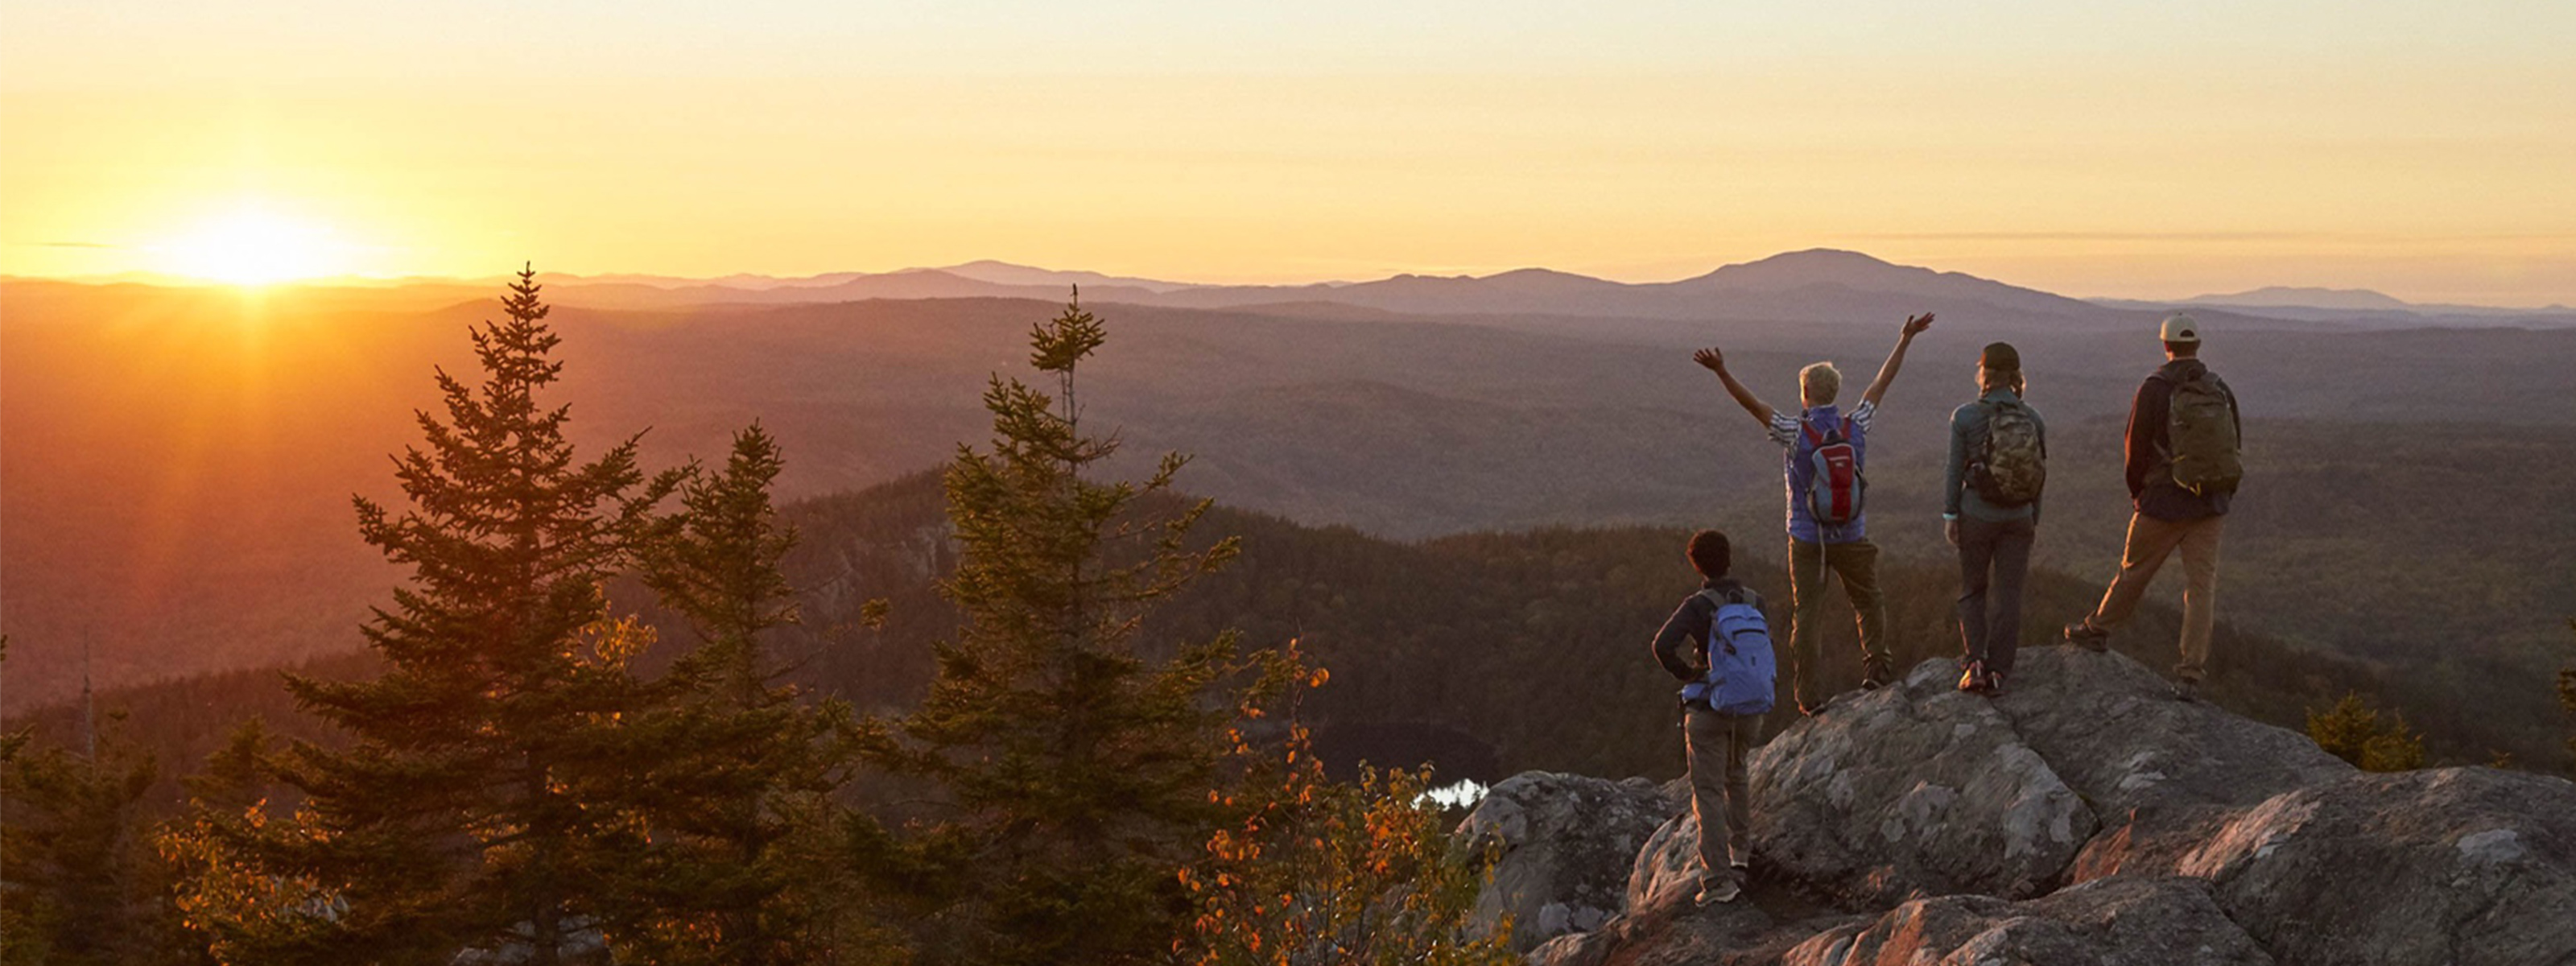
column 252, row 246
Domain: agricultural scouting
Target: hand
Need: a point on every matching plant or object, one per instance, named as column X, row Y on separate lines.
column 1915, row 324
column 1950, row 531
column 1714, row 360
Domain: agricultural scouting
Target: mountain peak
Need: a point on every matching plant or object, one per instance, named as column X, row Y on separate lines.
column 2294, row 296
column 998, row 272
column 1813, row 266
column 1841, row 257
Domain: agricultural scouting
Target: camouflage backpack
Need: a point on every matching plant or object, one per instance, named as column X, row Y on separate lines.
column 2200, row 432
column 2012, row 465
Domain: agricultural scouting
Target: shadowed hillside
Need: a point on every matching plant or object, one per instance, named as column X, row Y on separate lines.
column 1486, row 653
column 179, row 462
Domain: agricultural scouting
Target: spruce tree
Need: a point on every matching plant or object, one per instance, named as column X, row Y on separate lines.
column 481, row 794
column 83, row 883
column 740, row 797
column 1074, row 773
column 2354, row 731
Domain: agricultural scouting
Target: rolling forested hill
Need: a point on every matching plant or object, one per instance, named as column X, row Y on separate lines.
column 1486, row 653
column 178, row 465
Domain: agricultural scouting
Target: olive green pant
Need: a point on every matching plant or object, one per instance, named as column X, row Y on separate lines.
column 1721, row 755
column 1856, row 564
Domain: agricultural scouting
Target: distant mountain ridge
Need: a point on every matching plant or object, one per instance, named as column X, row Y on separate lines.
column 1816, row 285
column 2353, row 305
column 2295, row 296
column 1819, row 285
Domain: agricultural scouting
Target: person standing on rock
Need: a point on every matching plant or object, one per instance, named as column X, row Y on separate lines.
column 1720, row 733
column 1998, row 465
column 2183, row 467
column 1827, row 532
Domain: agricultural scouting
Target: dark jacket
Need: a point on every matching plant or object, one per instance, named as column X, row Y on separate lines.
column 2150, row 453
column 1682, row 646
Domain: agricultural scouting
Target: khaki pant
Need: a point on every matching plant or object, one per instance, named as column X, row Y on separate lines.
column 2150, row 541
column 1856, row 563
column 1721, row 748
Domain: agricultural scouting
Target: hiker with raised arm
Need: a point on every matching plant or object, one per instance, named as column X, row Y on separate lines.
column 1719, row 643
column 1990, row 511
column 1827, row 533
column 2183, row 469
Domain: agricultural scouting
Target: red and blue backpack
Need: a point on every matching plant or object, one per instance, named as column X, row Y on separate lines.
column 1834, row 483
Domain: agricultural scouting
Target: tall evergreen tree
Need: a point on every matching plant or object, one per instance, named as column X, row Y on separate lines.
column 1074, row 773
column 479, row 799
column 83, row 883
column 740, row 800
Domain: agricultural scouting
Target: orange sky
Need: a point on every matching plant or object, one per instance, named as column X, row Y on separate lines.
column 2421, row 149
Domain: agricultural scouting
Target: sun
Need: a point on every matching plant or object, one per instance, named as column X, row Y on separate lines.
column 252, row 246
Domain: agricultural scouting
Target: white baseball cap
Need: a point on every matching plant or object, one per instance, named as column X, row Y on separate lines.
column 2180, row 327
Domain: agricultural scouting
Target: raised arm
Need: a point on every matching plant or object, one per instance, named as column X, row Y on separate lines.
column 1914, row 326
column 1716, row 362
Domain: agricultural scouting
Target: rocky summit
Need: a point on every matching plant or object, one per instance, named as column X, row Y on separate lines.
column 2088, row 817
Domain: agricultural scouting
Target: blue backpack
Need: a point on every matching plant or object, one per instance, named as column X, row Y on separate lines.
column 1740, row 677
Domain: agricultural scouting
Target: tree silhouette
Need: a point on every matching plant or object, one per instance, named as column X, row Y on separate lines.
column 1073, row 776
column 740, row 795
column 481, row 801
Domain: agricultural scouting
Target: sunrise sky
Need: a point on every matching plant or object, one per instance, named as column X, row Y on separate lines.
column 2427, row 150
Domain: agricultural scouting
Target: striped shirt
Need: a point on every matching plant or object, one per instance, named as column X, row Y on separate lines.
column 1786, row 432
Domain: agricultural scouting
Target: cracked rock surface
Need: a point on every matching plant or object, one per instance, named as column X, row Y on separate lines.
column 2090, row 818
column 2124, row 921
column 2161, row 774
column 2458, row 866
column 1914, row 790
column 1567, row 841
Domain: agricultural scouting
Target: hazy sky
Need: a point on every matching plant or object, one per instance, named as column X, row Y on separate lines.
column 2165, row 149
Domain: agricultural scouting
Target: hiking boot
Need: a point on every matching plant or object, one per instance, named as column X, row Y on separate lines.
column 1874, row 675
column 1974, row 678
column 2186, row 690
column 1713, row 893
column 2084, row 635
column 1994, row 684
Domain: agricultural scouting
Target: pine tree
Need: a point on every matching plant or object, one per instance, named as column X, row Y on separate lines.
column 84, row 886
column 741, row 793
column 480, row 798
column 1075, row 775
column 2353, row 731
column 233, row 907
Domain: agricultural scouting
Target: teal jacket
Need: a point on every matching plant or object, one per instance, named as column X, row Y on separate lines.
column 1967, row 430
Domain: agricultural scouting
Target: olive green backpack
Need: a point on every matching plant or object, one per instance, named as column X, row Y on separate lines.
column 2200, row 430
